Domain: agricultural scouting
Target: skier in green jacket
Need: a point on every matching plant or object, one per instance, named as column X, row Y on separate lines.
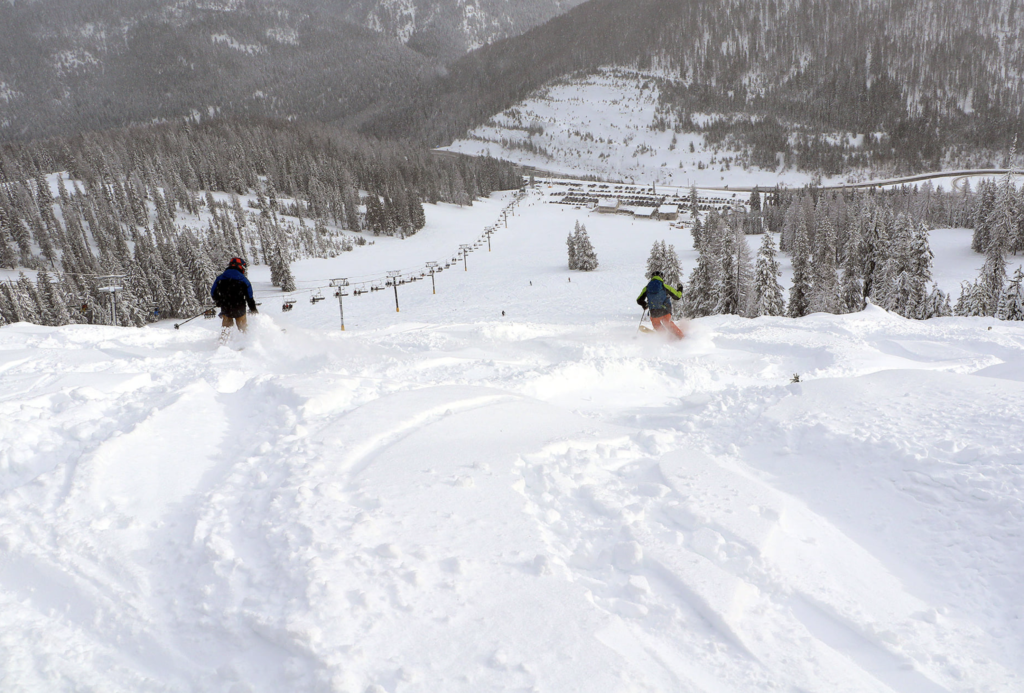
column 657, row 297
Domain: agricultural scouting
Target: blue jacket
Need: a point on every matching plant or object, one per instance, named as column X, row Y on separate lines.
column 231, row 291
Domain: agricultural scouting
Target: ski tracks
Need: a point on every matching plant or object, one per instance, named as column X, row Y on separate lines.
column 686, row 549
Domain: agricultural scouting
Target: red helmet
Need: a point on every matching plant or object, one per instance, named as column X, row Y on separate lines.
column 238, row 264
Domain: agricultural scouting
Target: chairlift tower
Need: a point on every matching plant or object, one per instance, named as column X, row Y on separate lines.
column 340, row 285
column 394, row 275
column 432, row 265
column 110, row 284
column 464, row 247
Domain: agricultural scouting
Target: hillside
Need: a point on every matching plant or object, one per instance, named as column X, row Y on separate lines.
column 97, row 64
column 451, row 499
column 900, row 86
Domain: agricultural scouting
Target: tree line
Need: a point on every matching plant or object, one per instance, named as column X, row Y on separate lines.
column 850, row 247
column 162, row 207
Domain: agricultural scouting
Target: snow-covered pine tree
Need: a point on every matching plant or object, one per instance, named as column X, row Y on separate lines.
column 935, row 305
column 851, row 287
column 28, row 300
column 825, row 296
column 570, row 243
column 754, row 203
column 728, row 298
column 52, row 300
column 586, row 255
column 1011, row 304
column 285, row 271
column 656, row 260
column 181, row 296
column 768, row 299
column 697, row 232
column 744, row 273
column 983, row 216
column 417, row 217
column 972, row 300
column 800, row 290
column 10, row 308
column 7, row 257
column 893, row 291
column 921, row 257
column 1001, row 227
column 704, row 289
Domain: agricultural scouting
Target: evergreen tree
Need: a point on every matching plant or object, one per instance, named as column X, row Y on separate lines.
column 983, row 216
column 697, row 231
column 921, row 257
column 28, row 300
column 656, row 260
column 972, row 301
column 755, row 201
column 1011, row 304
column 52, row 300
column 800, row 291
column 376, row 218
column 768, row 299
column 825, row 296
column 704, row 290
column 585, row 253
column 570, row 243
column 935, row 305
column 285, row 271
column 7, row 256
column 851, row 290
column 416, row 216
column 744, row 269
column 10, row 308
column 1001, row 227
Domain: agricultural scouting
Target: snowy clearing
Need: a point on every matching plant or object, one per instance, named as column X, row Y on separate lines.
column 449, row 499
column 601, row 125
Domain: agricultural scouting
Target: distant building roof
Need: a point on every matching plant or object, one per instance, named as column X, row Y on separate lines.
column 668, row 209
column 643, row 211
column 608, row 202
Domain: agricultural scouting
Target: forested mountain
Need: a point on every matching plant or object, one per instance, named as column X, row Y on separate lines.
column 93, row 64
column 892, row 84
column 162, row 206
column 450, row 28
column 916, row 83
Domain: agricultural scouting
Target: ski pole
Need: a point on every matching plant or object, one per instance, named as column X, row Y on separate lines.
column 179, row 324
column 641, row 320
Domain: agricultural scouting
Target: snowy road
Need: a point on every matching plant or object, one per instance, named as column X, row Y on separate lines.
column 498, row 504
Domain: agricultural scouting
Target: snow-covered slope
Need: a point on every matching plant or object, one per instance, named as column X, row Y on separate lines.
column 606, row 124
column 452, row 499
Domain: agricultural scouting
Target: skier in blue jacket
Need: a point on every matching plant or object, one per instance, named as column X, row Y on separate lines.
column 231, row 291
column 657, row 297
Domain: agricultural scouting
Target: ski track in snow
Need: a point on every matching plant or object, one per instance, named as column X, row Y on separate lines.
column 468, row 504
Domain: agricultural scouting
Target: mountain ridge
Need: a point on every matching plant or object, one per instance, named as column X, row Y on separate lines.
column 935, row 78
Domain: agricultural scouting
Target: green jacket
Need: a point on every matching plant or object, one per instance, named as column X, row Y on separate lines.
column 658, row 296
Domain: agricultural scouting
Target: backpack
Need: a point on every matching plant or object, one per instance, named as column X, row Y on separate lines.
column 658, row 298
